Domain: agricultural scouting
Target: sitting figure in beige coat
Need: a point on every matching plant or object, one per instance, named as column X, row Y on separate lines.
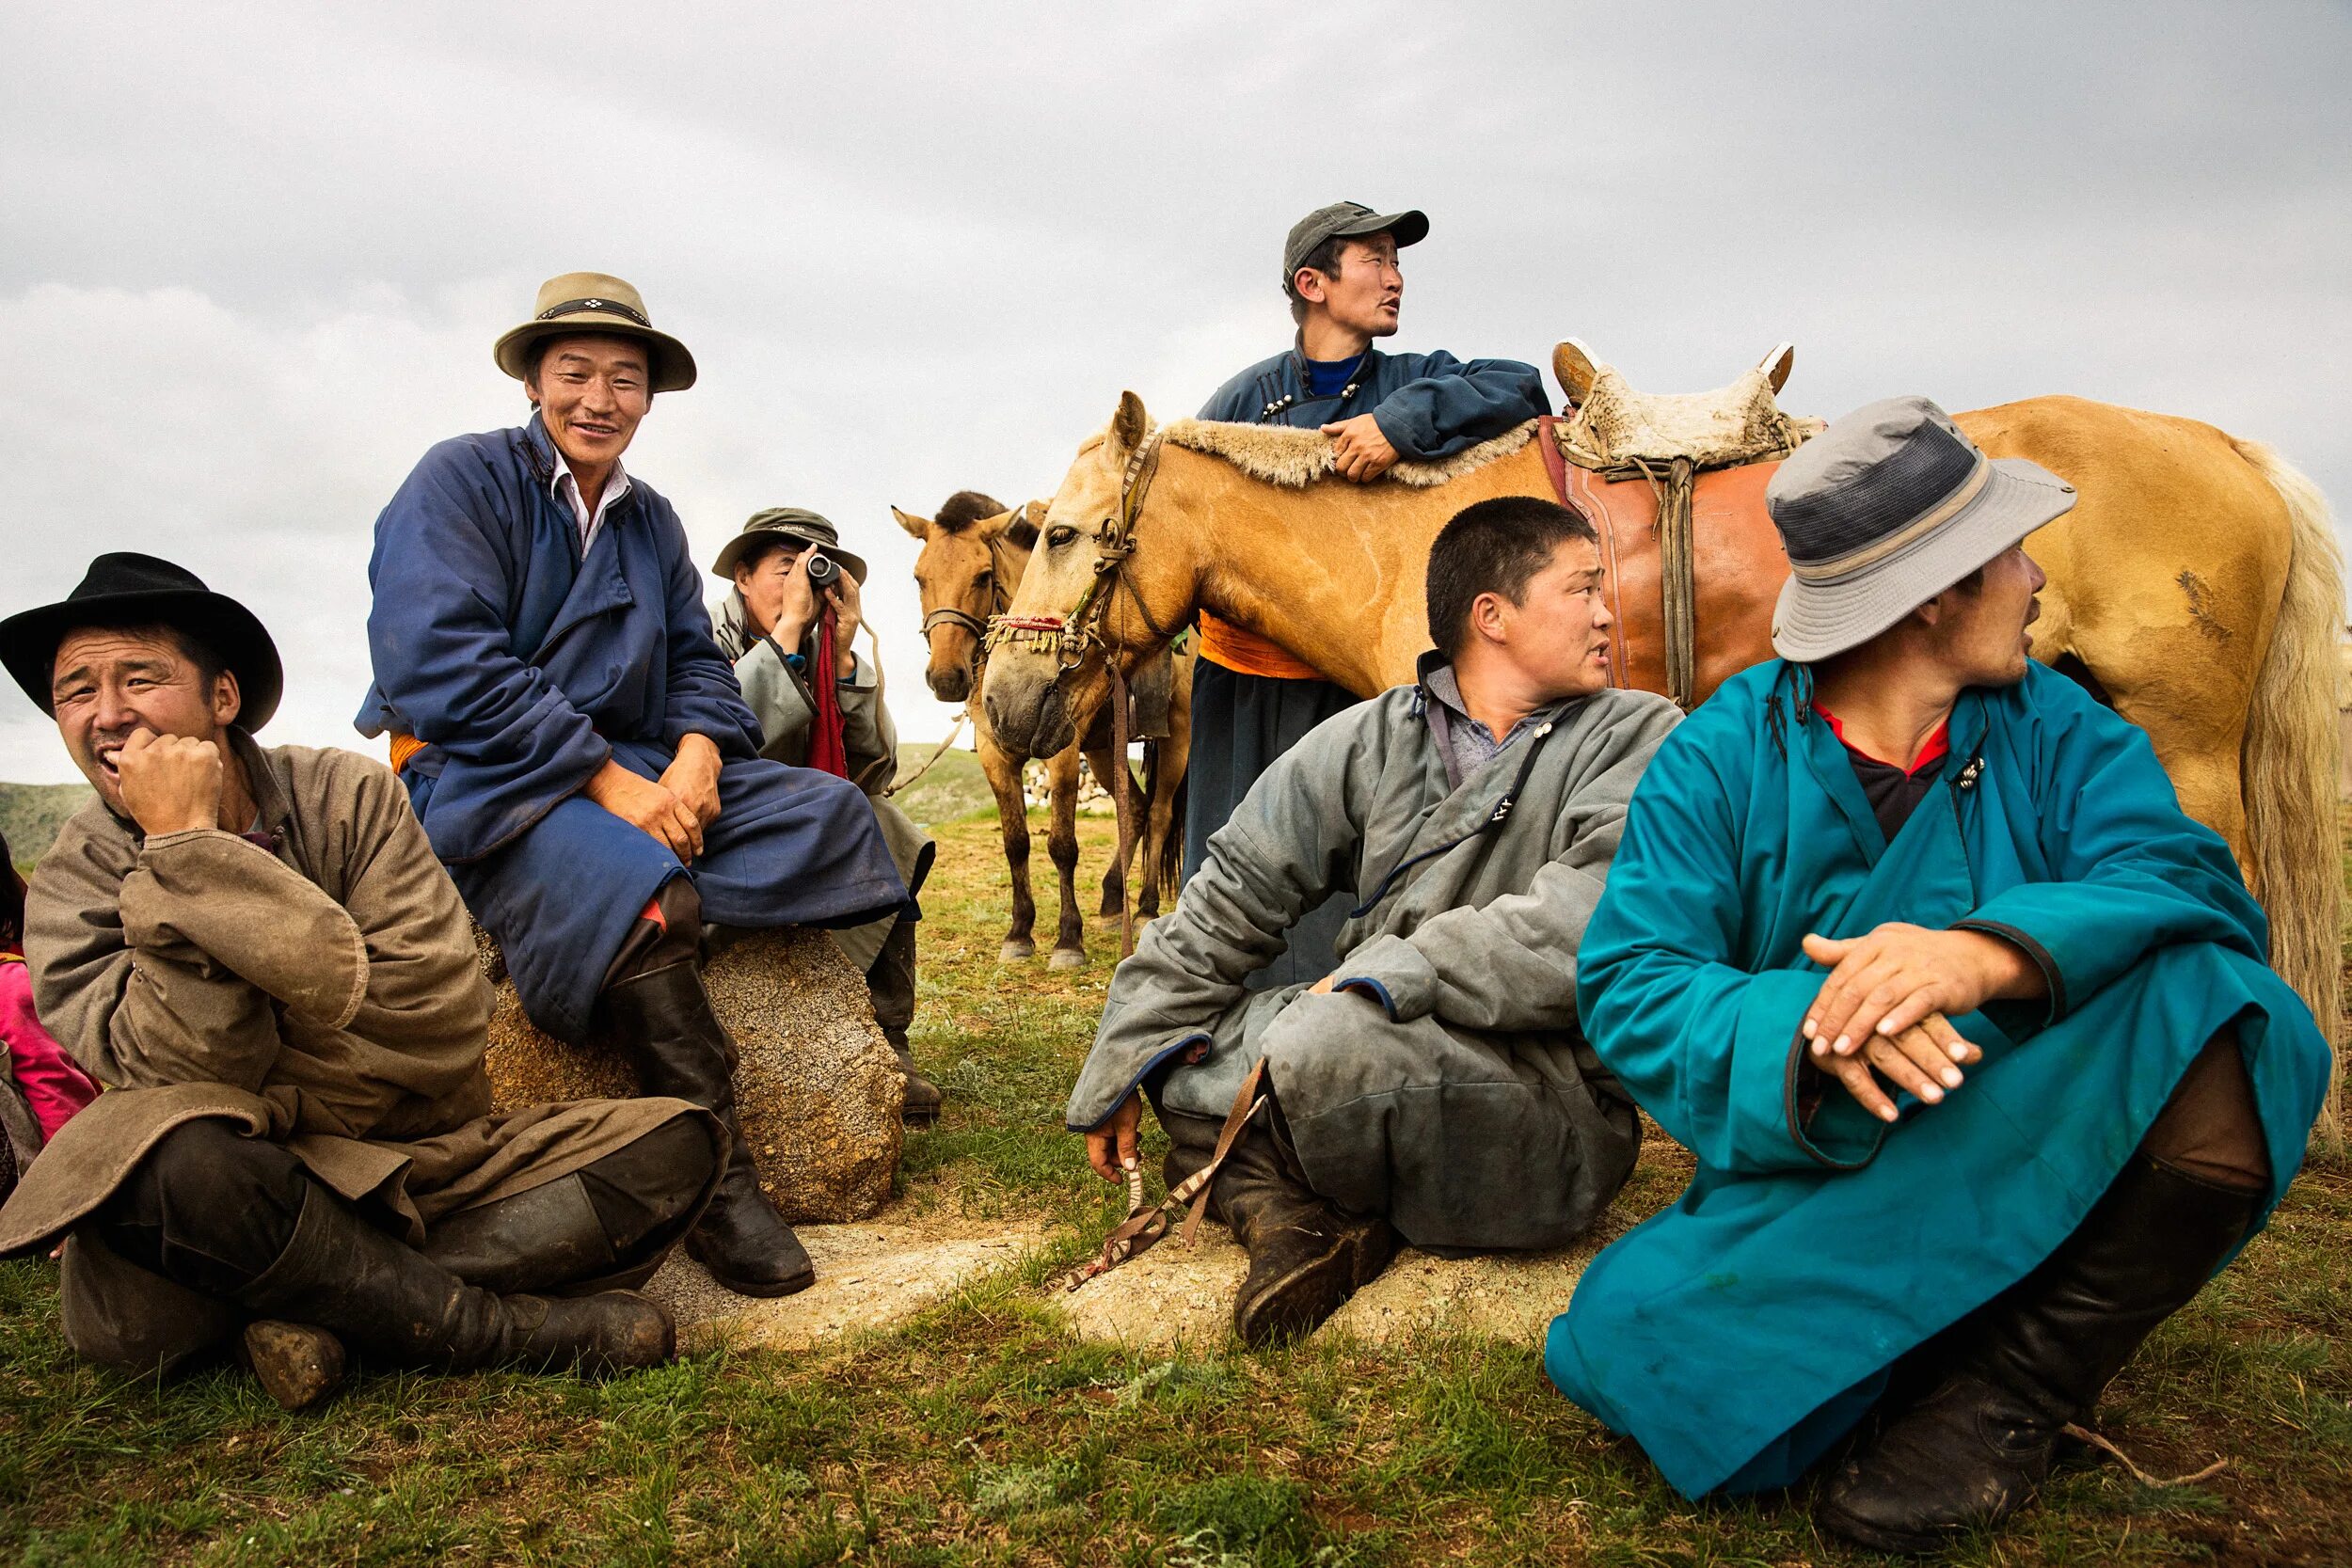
column 256, row 952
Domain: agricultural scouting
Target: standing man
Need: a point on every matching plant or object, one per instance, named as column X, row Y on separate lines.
column 1968, row 1026
column 1251, row 699
column 576, row 745
column 255, row 951
column 821, row 705
column 1434, row 1084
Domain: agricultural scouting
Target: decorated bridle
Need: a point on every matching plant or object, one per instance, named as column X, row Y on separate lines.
column 1114, row 545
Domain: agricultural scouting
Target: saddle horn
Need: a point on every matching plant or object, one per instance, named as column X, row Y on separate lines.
column 1574, row 368
column 1777, row 364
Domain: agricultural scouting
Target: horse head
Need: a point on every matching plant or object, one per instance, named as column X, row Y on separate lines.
column 1046, row 673
column 971, row 562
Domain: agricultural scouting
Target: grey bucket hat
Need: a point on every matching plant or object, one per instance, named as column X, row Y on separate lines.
column 1885, row 509
column 1347, row 220
column 787, row 522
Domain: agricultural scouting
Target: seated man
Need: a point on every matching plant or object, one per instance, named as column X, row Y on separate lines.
column 1435, row 1085
column 1252, row 700
column 782, row 635
column 1969, row 1027
column 576, row 746
column 255, row 950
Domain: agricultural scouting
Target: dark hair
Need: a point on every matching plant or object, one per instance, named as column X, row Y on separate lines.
column 1325, row 258
column 1492, row 547
column 756, row 556
column 11, row 902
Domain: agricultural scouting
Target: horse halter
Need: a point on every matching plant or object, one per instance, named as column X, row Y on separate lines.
column 1114, row 546
column 948, row 615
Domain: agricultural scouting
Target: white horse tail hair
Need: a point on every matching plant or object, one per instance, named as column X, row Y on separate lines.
column 2289, row 767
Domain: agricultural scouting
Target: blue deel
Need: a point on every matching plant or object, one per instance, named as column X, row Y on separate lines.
column 523, row 667
column 1428, row 405
column 1739, row 1332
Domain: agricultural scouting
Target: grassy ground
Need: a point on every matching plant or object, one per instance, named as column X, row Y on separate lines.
column 983, row 1433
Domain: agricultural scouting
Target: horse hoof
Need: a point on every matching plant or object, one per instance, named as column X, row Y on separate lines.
column 1013, row 952
column 1066, row 957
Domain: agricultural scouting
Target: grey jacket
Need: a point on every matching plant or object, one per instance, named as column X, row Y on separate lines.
column 1461, row 918
column 785, row 706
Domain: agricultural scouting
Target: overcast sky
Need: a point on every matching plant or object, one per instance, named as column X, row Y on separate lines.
column 252, row 257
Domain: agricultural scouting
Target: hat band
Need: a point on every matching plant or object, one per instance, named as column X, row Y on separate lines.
column 597, row 307
column 1818, row 571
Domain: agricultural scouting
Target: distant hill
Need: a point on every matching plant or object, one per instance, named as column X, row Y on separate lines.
column 30, row 816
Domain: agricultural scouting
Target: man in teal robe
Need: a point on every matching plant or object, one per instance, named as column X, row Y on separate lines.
column 1976, row 1047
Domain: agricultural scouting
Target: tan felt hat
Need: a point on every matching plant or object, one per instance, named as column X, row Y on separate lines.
column 578, row 302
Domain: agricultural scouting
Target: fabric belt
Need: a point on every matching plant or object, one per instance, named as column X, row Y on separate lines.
column 403, row 747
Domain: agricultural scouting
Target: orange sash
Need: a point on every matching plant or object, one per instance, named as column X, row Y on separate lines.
column 1223, row 642
column 403, row 747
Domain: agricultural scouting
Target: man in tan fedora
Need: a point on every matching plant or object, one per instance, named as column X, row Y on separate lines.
column 788, row 623
column 576, row 744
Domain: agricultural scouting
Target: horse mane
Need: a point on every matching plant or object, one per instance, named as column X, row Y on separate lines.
column 964, row 507
column 1280, row 455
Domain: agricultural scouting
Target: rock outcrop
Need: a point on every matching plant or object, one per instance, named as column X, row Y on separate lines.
column 818, row 1089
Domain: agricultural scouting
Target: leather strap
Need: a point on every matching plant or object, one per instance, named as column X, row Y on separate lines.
column 1144, row 1227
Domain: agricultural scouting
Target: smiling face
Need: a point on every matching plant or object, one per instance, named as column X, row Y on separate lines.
column 1556, row 636
column 110, row 683
column 1366, row 294
column 592, row 390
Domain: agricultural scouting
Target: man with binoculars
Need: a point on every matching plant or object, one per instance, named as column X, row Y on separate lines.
column 788, row 624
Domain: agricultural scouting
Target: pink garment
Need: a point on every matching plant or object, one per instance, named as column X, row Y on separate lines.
column 53, row 1085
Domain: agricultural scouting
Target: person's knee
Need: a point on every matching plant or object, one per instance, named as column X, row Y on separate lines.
column 644, row 1192
column 206, row 1207
column 2211, row 1128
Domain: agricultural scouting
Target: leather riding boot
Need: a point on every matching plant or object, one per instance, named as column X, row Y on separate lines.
column 342, row 1278
column 1307, row 1256
column 663, row 1017
column 891, row 984
column 2035, row 1359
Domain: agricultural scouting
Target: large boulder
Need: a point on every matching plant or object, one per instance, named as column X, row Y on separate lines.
column 818, row 1088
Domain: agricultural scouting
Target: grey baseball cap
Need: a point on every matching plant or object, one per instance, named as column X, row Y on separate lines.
column 1885, row 510
column 1347, row 220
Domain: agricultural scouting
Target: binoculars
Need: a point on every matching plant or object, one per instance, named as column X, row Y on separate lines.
column 822, row 569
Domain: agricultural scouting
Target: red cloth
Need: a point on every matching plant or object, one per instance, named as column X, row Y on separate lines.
column 53, row 1085
column 1939, row 744
column 826, row 748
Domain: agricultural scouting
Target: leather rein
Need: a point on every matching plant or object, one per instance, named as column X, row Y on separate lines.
column 1114, row 546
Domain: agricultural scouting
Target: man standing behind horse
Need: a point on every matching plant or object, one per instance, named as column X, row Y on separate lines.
column 821, row 705
column 576, row 744
column 1435, row 1084
column 1252, row 699
column 1967, row 1025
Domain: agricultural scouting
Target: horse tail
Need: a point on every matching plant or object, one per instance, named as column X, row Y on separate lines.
column 1172, row 867
column 2289, row 767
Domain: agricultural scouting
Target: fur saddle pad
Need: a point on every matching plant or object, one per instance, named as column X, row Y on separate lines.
column 1280, row 455
column 1616, row 426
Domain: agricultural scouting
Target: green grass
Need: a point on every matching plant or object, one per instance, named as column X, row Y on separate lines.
column 983, row 1433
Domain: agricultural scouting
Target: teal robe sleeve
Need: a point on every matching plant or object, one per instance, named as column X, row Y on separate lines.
column 1707, row 1048
column 2128, row 871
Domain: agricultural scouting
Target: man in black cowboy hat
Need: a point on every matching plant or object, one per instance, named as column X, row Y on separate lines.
column 256, row 951
column 576, row 746
column 821, row 705
column 1251, row 699
column 1969, row 1026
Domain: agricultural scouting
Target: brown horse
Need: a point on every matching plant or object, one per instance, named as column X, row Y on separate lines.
column 2197, row 586
column 974, row 553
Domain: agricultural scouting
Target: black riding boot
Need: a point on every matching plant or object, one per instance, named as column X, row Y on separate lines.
column 1307, row 1256
column 683, row 1051
column 891, row 984
column 1974, row 1451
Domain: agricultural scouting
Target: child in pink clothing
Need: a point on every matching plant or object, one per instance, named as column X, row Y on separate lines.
column 40, row 1073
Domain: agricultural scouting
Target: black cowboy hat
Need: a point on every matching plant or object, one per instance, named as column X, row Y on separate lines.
column 126, row 589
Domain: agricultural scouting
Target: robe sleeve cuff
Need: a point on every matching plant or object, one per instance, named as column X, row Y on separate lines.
column 1158, row 1060
column 1767, row 1128
column 1395, row 971
column 2052, row 979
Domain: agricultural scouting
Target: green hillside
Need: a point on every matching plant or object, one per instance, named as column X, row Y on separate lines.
column 30, row 816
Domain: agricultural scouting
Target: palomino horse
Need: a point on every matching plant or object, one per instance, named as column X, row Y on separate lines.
column 2197, row 584
column 972, row 556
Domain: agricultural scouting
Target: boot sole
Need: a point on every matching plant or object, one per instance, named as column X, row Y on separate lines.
column 296, row 1365
column 1845, row 1526
column 762, row 1289
column 1299, row 1302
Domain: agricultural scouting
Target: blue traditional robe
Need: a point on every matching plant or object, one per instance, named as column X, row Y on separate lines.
column 523, row 666
column 1739, row 1332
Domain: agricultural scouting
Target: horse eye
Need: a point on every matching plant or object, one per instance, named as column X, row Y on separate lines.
column 1058, row 535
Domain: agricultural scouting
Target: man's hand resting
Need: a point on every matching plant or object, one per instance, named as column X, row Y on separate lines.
column 692, row 776
column 1888, row 999
column 1111, row 1148
column 1358, row 450
column 650, row 807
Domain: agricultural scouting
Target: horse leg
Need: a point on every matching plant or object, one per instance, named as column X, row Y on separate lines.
column 1114, row 879
column 1003, row 771
column 1061, row 842
column 1168, row 781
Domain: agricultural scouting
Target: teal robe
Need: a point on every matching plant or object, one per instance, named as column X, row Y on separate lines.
column 1739, row 1332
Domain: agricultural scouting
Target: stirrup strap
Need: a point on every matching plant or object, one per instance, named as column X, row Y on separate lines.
column 1143, row 1226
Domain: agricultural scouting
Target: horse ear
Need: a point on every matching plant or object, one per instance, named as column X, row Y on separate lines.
column 1129, row 426
column 1777, row 364
column 1572, row 366
column 918, row 527
column 1019, row 529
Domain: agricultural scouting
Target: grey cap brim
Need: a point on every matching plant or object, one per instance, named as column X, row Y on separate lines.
column 1814, row 621
column 1406, row 228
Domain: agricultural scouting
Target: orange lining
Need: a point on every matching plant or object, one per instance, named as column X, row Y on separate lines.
column 1223, row 642
column 1938, row 747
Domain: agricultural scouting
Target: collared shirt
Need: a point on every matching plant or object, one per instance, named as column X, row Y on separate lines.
column 565, row 488
column 1470, row 745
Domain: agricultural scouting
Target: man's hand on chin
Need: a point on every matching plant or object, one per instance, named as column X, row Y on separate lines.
column 170, row 784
